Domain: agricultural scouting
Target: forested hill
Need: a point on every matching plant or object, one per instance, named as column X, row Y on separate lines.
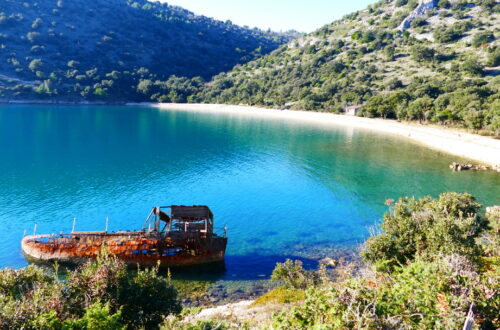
column 101, row 49
column 434, row 61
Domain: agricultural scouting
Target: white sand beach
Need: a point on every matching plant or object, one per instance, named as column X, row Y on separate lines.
column 472, row 146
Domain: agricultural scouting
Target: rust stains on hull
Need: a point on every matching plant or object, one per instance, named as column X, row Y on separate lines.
column 187, row 238
column 135, row 248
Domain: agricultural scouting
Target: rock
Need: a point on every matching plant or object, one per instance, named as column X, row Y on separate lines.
column 423, row 7
column 459, row 167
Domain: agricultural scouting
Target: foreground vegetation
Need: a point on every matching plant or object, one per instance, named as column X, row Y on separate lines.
column 98, row 295
column 433, row 261
column 427, row 268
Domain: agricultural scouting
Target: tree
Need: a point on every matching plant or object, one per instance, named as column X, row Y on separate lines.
column 35, row 65
column 489, row 5
column 422, row 54
column 101, row 92
column 445, row 4
column 33, row 36
column 393, row 84
column 389, row 52
column 474, row 116
column 419, row 21
column 494, row 57
column 447, row 35
column 472, row 66
column 145, row 86
column 419, row 108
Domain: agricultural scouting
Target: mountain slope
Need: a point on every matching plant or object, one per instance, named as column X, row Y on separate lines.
column 73, row 44
column 422, row 60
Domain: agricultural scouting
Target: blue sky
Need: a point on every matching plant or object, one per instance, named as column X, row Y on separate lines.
column 279, row 15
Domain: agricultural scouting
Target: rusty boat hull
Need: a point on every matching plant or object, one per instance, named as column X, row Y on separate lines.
column 176, row 249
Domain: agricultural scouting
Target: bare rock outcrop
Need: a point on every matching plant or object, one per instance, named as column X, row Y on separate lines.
column 424, row 6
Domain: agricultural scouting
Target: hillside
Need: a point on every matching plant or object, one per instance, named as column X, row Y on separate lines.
column 102, row 49
column 431, row 61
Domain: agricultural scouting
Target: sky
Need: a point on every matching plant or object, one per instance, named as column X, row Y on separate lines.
column 278, row 15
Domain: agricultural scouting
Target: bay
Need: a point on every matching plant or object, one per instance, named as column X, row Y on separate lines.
column 284, row 189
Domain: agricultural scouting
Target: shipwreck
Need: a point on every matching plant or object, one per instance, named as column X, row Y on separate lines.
column 173, row 236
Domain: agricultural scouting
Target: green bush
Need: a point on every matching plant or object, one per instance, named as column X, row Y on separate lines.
column 422, row 295
column 482, row 38
column 427, row 228
column 148, row 298
column 400, row 3
column 494, row 57
column 294, row 275
column 438, row 272
column 422, row 53
column 450, row 34
column 472, row 66
column 419, row 21
column 97, row 295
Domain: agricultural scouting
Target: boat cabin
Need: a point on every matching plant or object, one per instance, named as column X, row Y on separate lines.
column 179, row 218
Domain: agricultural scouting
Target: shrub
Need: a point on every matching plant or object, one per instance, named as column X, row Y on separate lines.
column 482, row 38
column 446, row 35
column 148, row 298
column 472, row 66
column 445, row 4
column 35, row 65
column 33, row 36
column 294, row 275
column 494, row 57
column 393, row 84
column 422, row 295
column 97, row 295
column 422, row 53
column 419, row 21
column 427, row 227
column 438, row 273
column 400, row 3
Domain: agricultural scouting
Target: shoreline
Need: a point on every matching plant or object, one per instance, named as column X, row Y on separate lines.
column 485, row 150
column 479, row 148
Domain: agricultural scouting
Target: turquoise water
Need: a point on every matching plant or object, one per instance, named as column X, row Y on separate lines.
column 283, row 188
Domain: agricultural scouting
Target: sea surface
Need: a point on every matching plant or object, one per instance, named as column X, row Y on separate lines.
column 284, row 189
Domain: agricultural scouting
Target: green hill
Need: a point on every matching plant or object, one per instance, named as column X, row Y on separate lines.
column 102, row 49
column 432, row 61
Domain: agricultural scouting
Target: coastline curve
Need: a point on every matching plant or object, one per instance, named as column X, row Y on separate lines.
column 467, row 145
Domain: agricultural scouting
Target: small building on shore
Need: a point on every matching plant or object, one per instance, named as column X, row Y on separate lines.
column 352, row 110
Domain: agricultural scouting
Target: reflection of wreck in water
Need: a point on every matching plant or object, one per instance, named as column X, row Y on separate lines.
column 175, row 235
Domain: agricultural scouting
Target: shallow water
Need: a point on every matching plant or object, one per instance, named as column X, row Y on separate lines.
column 283, row 188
